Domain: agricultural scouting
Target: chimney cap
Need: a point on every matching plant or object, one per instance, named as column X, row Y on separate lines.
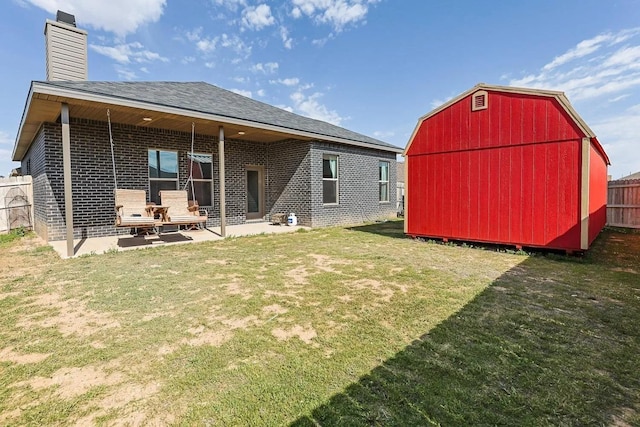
column 66, row 18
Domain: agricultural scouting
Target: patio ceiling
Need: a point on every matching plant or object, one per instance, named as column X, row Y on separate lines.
column 42, row 107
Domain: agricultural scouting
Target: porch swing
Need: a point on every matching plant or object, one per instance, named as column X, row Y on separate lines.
column 133, row 210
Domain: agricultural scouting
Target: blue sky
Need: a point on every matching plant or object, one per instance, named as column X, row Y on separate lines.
column 372, row 66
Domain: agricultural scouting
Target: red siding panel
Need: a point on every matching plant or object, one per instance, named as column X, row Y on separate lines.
column 516, row 195
column 507, row 174
column 597, row 193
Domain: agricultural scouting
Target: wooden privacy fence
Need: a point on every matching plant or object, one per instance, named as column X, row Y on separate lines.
column 623, row 203
column 16, row 203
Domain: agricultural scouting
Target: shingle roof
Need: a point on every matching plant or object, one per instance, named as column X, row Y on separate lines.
column 632, row 176
column 209, row 99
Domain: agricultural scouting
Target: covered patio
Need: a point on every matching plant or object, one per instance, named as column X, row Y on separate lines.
column 81, row 141
column 101, row 245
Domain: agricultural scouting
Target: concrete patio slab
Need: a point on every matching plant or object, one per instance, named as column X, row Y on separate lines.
column 100, row 245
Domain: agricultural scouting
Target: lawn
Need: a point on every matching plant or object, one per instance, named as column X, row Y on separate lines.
column 333, row 326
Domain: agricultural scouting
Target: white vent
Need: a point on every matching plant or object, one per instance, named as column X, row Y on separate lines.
column 479, row 100
column 66, row 51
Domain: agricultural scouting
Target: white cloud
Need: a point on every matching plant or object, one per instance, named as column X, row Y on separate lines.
column 257, row 17
column 311, row 107
column 266, row 68
column 261, row 93
column 285, row 108
column 437, row 102
column 582, row 49
column 126, row 53
column 242, row 92
column 593, row 68
column 194, row 35
column 126, row 74
column 232, row 5
column 619, row 136
column 293, row 81
column 188, row 59
column 236, row 44
column 121, row 17
column 286, row 40
column 207, row 45
column 601, row 75
column 383, row 134
column 338, row 13
column 618, row 98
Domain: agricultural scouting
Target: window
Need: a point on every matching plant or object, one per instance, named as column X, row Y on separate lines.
column 383, row 181
column 201, row 167
column 329, row 179
column 163, row 173
column 479, row 100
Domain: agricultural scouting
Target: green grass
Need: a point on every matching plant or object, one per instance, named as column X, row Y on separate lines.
column 338, row 326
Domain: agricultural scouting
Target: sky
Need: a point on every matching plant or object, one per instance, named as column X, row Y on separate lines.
column 371, row 66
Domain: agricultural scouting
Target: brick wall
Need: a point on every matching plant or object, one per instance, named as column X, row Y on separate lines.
column 34, row 164
column 293, row 177
column 289, row 179
column 358, row 190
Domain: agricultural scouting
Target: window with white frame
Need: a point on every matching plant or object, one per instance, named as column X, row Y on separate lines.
column 201, row 169
column 329, row 179
column 383, row 181
column 163, row 172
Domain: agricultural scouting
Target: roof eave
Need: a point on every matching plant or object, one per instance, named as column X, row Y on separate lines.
column 46, row 89
column 27, row 105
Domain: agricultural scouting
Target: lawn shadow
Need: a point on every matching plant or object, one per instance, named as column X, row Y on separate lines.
column 393, row 228
column 534, row 348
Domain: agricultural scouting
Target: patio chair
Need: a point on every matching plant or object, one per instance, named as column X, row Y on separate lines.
column 131, row 209
column 179, row 210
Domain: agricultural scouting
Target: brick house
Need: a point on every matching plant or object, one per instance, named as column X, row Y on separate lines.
column 267, row 159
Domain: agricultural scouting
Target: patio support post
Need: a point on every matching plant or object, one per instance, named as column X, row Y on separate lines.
column 66, row 167
column 223, row 205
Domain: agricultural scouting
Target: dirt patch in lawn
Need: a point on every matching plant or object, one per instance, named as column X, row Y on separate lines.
column 8, row 355
column 305, row 334
column 8, row 295
column 274, row 309
column 123, row 395
column 72, row 382
column 326, row 263
column 234, row 286
column 383, row 293
column 241, row 323
column 69, row 316
column 202, row 335
column 299, row 275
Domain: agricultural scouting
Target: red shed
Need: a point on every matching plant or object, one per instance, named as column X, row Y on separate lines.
column 506, row 165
